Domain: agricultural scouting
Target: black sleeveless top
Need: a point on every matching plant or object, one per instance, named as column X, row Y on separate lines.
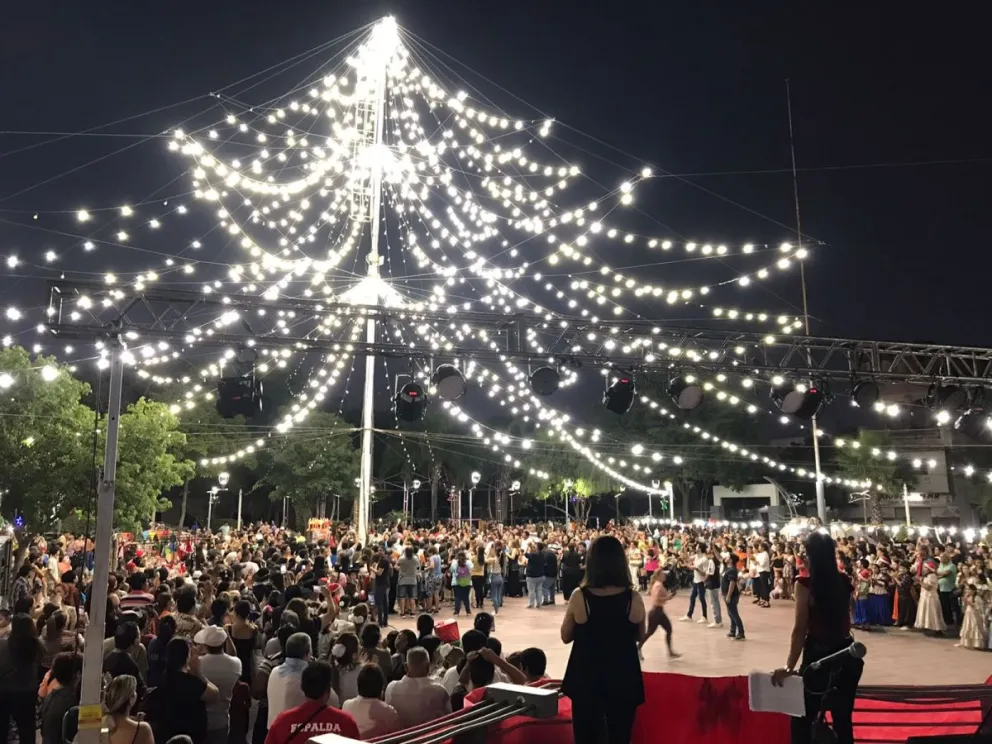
column 603, row 669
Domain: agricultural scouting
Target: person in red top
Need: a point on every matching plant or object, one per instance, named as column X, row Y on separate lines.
column 297, row 725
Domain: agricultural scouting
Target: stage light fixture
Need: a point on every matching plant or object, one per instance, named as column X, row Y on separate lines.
column 974, row 424
column 544, row 381
column 239, row 396
column 796, row 399
column 865, row 393
column 946, row 397
column 410, row 403
column 449, row 383
column 619, row 396
column 685, row 392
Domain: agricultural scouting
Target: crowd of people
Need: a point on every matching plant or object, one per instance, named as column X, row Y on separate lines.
column 258, row 634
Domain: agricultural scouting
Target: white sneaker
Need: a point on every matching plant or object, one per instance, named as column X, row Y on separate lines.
column 701, row 620
column 715, row 625
column 685, row 619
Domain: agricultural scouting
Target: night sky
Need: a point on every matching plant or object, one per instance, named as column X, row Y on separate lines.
column 698, row 91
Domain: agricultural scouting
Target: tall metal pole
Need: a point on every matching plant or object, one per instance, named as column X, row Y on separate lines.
column 471, row 496
column 566, row 510
column 89, row 704
column 905, row 501
column 211, row 495
column 821, row 499
column 373, row 259
column 240, row 496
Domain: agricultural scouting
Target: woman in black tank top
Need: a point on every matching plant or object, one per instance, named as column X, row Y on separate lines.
column 604, row 622
column 823, row 627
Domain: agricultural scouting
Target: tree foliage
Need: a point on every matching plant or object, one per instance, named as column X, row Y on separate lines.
column 704, row 462
column 150, row 459
column 304, row 465
column 45, row 440
column 864, row 459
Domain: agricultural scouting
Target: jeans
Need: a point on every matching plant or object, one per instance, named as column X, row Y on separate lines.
column 736, row 626
column 765, row 585
column 714, row 596
column 697, row 591
column 535, row 585
column 496, row 590
column 382, row 605
column 549, row 589
column 462, row 597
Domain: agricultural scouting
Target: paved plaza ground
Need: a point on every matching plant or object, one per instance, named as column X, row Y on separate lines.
column 894, row 656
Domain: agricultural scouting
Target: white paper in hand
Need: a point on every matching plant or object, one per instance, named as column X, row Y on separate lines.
column 764, row 697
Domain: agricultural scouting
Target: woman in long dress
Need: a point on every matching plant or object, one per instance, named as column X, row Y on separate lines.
column 929, row 617
column 973, row 629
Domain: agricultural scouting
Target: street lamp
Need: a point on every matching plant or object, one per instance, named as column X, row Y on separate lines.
column 223, row 479
column 211, row 498
column 408, row 497
column 476, row 477
column 568, row 489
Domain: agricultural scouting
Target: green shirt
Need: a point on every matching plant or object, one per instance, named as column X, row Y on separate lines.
column 947, row 574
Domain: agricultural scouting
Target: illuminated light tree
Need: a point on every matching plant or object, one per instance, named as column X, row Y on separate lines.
column 460, row 207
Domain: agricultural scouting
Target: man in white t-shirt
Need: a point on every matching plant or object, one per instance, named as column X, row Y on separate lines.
column 224, row 672
column 701, row 565
column 416, row 697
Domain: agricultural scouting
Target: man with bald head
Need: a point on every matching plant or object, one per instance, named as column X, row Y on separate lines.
column 417, row 698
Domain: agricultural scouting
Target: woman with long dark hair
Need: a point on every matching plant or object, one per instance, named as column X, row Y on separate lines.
column 20, row 671
column 604, row 622
column 823, row 627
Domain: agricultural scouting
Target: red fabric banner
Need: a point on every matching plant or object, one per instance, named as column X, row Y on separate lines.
column 678, row 708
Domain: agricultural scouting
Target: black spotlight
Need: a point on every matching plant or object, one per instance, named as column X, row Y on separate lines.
column 865, row 393
column 685, row 392
column 544, row 381
column 946, row 397
column 798, row 400
column 411, row 402
column 449, row 382
column 974, row 424
column 239, row 396
column 619, row 396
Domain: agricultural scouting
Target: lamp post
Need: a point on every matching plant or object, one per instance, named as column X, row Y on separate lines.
column 416, row 487
column 655, row 484
column 670, row 495
column 514, row 489
column 568, row 492
column 222, row 480
column 211, row 498
column 476, row 477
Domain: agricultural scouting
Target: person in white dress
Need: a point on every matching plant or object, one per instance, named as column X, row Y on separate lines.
column 929, row 617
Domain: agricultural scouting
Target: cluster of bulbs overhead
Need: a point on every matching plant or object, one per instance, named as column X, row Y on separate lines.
column 250, row 200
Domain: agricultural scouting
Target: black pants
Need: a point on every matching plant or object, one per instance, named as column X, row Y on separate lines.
column 698, row 590
column 842, row 676
column 479, row 585
column 658, row 618
column 764, row 584
column 950, row 608
column 569, row 582
column 592, row 725
column 20, row 707
column 736, row 624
